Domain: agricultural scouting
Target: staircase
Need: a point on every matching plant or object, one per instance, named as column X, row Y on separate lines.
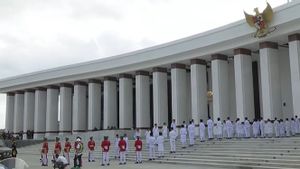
column 274, row 153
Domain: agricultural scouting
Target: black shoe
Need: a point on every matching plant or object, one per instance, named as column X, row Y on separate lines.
column 102, row 165
column 108, row 164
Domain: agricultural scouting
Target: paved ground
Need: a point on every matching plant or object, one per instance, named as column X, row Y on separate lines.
column 33, row 162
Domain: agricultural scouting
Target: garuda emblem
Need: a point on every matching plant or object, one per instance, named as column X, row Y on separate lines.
column 260, row 21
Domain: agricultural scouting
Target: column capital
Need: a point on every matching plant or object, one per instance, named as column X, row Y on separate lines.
column 218, row 56
column 294, row 37
column 81, row 83
column 52, row 87
column 178, row 66
column 66, row 85
column 125, row 75
column 160, row 69
column 19, row 92
column 10, row 94
column 198, row 61
column 242, row 51
column 94, row 81
column 110, row 78
column 142, row 72
column 268, row 44
column 41, row 89
column 29, row 90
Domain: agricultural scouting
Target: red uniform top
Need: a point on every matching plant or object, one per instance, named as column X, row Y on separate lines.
column 91, row 145
column 138, row 145
column 57, row 148
column 45, row 148
column 122, row 145
column 105, row 145
column 68, row 146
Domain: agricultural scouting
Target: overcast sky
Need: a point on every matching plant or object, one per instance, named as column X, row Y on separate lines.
column 36, row 35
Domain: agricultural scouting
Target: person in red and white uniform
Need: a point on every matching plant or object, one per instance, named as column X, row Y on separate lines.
column 122, row 148
column 91, row 146
column 105, row 151
column 138, row 144
column 44, row 153
column 57, row 148
column 67, row 149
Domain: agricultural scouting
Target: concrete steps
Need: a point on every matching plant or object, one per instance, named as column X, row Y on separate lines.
column 246, row 153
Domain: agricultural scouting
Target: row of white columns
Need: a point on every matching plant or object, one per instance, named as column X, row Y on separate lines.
column 30, row 110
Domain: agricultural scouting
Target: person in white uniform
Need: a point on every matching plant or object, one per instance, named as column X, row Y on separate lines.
column 202, row 131
column 238, row 128
column 155, row 131
column 229, row 128
column 127, row 143
column 210, row 126
column 173, row 125
column 183, row 134
column 269, row 129
column 191, row 131
column 247, row 127
column 151, row 149
column 147, row 136
column 160, row 145
column 293, row 127
column 116, row 146
column 219, row 129
column 282, row 128
column 297, row 124
column 165, row 130
column 172, row 136
column 287, row 126
column 276, row 128
column 255, row 128
column 261, row 127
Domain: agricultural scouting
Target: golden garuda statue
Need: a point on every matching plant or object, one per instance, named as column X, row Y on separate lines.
column 260, row 21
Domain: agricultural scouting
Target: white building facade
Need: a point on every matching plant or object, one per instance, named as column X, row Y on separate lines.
column 248, row 77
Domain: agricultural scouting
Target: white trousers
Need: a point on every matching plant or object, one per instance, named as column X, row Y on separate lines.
column 210, row 133
column 138, row 156
column 151, row 152
column 117, row 152
column 122, row 157
column 44, row 159
column 91, row 155
column 105, row 158
column 172, row 144
column 192, row 138
column 67, row 156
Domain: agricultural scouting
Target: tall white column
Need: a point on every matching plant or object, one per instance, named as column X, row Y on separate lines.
column 18, row 111
column 79, row 123
column 199, row 90
column 9, row 118
column 142, row 95
column 219, row 68
column 110, row 113
column 294, row 52
column 40, row 113
column 160, row 96
column 94, row 104
column 188, row 96
column 66, row 95
column 270, row 80
column 52, row 111
column 244, row 83
column 28, row 112
column 125, row 101
column 179, row 95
